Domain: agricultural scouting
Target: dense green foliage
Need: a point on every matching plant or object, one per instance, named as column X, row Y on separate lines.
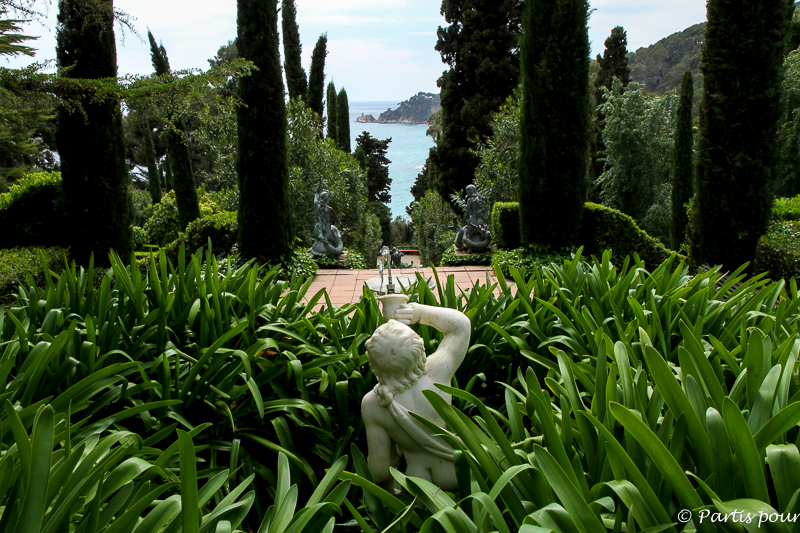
column 432, row 217
column 266, row 226
column 613, row 63
column 384, row 214
column 497, row 174
column 659, row 68
column 505, row 225
column 378, row 180
column 316, row 75
column 296, row 82
column 554, row 125
column 786, row 208
column 778, row 251
column 17, row 263
column 788, row 168
column 742, row 59
column 32, row 212
column 682, row 163
column 638, row 136
column 481, row 47
column 451, row 258
column 153, row 176
column 332, row 130
column 180, row 158
column 343, row 122
column 91, row 144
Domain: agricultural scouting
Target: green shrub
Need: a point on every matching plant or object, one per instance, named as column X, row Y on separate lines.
column 786, row 208
column 140, row 238
column 17, row 263
column 163, row 226
column 432, row 217
column 32, row 212
column 142, row 206
column 449, row 258
column 526, row 259
column 354, row 261
column 505, row 225
column 219, row 227
column 603, row 228
column 778, row 251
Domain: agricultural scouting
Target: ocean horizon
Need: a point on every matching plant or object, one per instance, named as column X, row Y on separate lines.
column 407, row 151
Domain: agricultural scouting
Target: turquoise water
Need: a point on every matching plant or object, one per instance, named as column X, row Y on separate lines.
column 407, row 151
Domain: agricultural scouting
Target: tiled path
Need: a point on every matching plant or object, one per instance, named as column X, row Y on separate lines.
column 345, row 286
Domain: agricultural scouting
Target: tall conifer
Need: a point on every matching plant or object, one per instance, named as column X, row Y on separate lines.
column 682, row 164
column 332, row 113
column 266, row 222
column 296, row 82
column 613, row 64
column 153, row 176
column 554, row 124
column 316, row 77
column 742, row 58
column 481, row 47
column 95, row 177
column 180, row 157
column 343, row 121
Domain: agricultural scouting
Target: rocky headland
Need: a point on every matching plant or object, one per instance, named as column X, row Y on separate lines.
column 415, row 110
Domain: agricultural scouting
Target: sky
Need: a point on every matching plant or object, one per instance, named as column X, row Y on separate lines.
column 377, row 49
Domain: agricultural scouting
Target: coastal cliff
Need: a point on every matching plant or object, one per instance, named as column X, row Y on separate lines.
column 415, row 110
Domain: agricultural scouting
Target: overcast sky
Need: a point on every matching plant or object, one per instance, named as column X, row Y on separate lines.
column 377, row 49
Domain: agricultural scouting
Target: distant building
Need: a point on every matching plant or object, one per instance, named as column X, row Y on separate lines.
column 365, row 118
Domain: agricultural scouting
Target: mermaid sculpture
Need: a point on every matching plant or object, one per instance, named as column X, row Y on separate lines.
column 475, row 236
column 328, row 238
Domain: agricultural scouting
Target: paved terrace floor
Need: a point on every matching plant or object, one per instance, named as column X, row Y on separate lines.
column 345, row 286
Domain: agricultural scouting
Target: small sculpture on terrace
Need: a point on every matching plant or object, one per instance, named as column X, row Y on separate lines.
column 329, row 240
column 475, row 235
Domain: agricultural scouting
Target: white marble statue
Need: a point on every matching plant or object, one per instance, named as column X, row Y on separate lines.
column 397, row 356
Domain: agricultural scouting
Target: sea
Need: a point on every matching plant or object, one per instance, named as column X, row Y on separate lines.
column 407, row 151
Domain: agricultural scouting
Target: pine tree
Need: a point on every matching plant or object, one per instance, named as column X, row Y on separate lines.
column 177, row 145
column 481, row 47
column 554, row 125
column 682, row 164
column 613, row 63
column 742, row 59
column 266, row 222
column 91, row 146
column 316, row 76
column 153, row 176
column 332, row 113
column 296, row 82
column 378, row 180
column 343, row 122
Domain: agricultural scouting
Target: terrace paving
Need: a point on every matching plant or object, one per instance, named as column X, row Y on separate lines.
column 345, row 286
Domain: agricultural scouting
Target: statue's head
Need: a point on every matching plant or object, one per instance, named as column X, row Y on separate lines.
column 323, row 197
column 397, row 356
column 472, row 190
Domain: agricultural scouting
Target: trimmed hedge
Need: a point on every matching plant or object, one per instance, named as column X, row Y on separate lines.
column 786, row 208
column 16, row 263
column 505, row 225
column 32, row 214
column 603, row 228
column 778, row 251
column 449, row 258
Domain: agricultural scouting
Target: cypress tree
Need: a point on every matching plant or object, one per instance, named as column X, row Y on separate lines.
column 167, row 172
column 343, row 122
column 182, row 178
column 292, row 51
column 361, row 157
column 316, row 76
column 554, row 123
column 682, row 164
column 332, row 113
column 95, row 177
column 153, row 177
column 613, row 63
column 741, row 65
column 481, row 47
column 266, row 223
